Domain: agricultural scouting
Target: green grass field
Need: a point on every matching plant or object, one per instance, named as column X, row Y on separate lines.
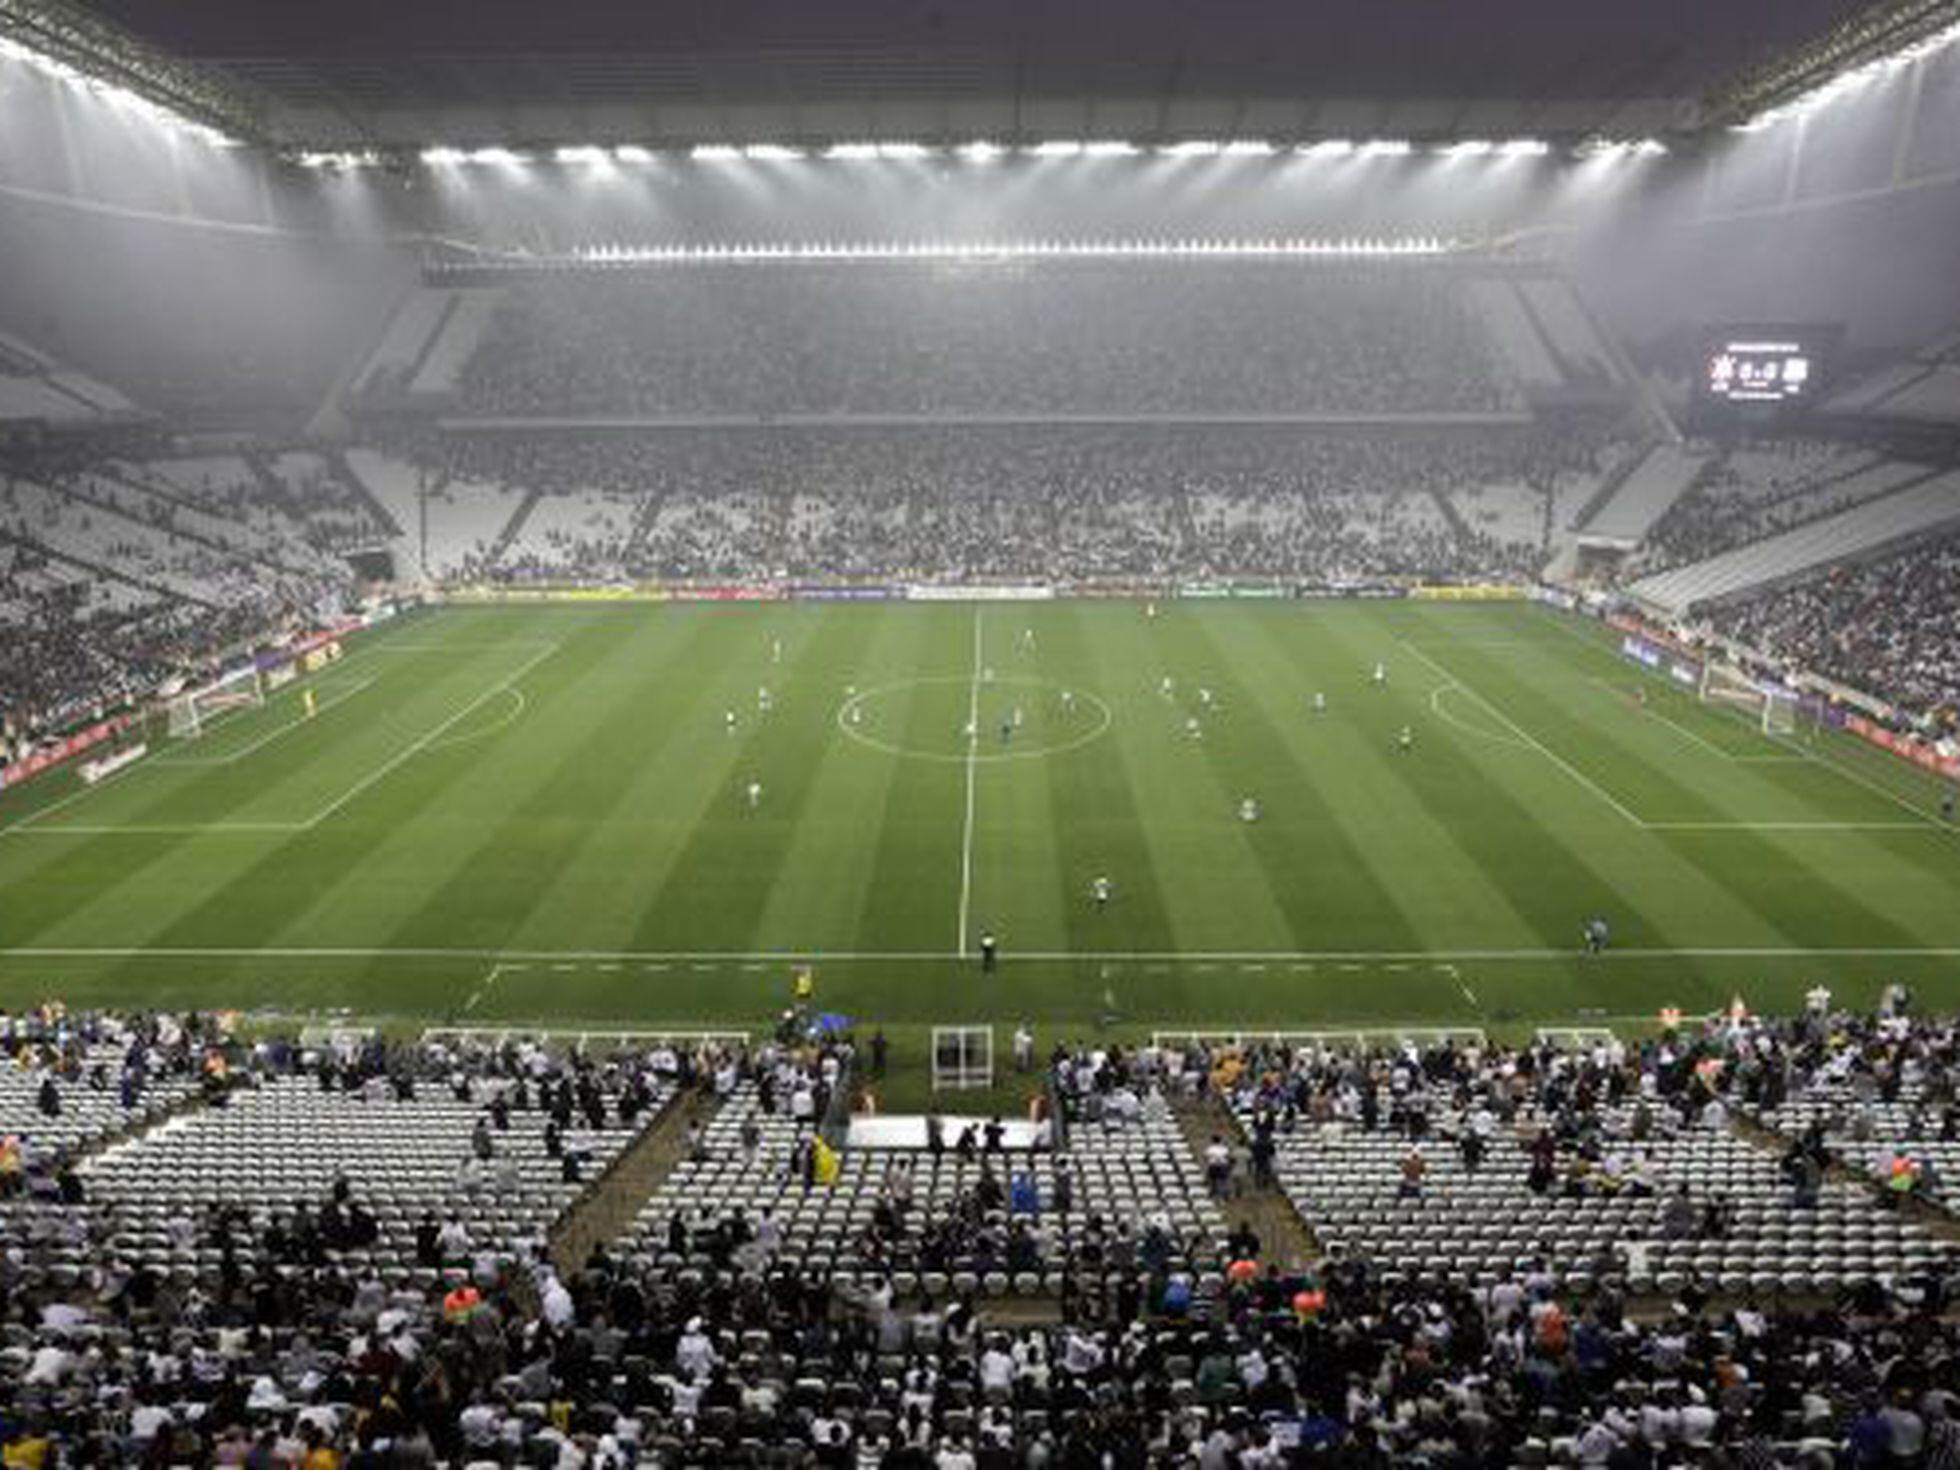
column 539, row 815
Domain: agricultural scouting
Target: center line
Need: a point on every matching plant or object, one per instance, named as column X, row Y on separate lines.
column 972, row 748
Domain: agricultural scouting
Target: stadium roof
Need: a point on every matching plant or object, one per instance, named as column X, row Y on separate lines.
column 407, row 73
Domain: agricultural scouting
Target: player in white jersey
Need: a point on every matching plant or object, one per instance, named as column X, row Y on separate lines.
column 763, row 699
column 1319, row 702
column 754, row 793
column 1168, row 688
column 1068, row 701
column 1406, row 740
column 1192, row 728
column 1381, row 675
column 1099, row 891
column 728, row 720
column 1017, row 717
column 775, row 650
column 1248, row 809
column 1204, row 696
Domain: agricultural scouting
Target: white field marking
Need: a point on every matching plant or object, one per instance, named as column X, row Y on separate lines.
column 456, row 647
column 972, row 748
column 488, row 980
column 1786, row 826
column 1041, row 752
column 138, row 829
column 1564, row 765
column 469, row 737
column 1436, row 708
column 340, row 696
column 27, row 823
column 572, row 959
column 422, row 741
column 1462, row 985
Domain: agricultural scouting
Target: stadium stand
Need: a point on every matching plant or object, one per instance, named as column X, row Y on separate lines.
column 1887, row 626
column 1030, row 339
column 311, row 1304
column 1922, row 505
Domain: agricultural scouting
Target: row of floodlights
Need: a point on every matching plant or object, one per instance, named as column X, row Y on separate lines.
column 1364, row 247
column 1851, row 79
column 118, row 97
column 984, row 152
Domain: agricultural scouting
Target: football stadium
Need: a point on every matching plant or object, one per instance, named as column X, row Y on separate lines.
column 901, row 735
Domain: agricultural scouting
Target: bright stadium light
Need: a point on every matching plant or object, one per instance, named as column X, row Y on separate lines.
column 1192, row 148
column 582, row 153
column 499, row 156
column 339, row 160
column 1387, row 148
column 633, row 153
column 1110, row 148
column 1468, row 148
column 980, row 151
column 903, row 150
column 1524, row 148
column 443, row 157
column 851, row 150
column 1249, row 148
column 1326, row 148
column 1621, row 148
column 771, row 152
column 1368, row 247
column 1057, row 148
column 714, row 152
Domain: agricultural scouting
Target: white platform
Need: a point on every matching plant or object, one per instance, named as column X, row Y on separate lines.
column 909, row 1133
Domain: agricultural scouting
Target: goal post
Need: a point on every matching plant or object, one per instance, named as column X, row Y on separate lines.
column 962, row 1057
column 192, row 711
column 1778, row 712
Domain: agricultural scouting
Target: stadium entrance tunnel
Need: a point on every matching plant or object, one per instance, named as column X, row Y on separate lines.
column 981, row 717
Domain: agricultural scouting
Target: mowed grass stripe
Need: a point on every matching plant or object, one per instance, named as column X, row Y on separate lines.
column 670, row 764
column 129, row 888
column 1092, row 804
column 1455, row 854
column 255, row 900
column 823, row 885
column 720, row 879
column 912, row 892
column 1755, row 872
column 488, row 878
column 1324, row 870
column 1223, row 896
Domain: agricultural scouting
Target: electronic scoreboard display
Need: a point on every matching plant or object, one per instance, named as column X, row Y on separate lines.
column 1750, row 369
column 1760, row 370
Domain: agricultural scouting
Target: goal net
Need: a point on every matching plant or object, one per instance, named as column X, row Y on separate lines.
column 194, row 710
column 1775, row 710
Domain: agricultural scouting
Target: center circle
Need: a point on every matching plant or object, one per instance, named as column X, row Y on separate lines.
column 981, row 722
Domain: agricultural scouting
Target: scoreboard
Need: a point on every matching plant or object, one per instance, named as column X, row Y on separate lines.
column 1755, row 376
column 1759, row 370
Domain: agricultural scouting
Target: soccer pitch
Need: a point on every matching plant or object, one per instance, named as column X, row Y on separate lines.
column 542, row 815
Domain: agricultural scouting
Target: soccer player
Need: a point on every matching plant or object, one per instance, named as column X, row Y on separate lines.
column 1150, row 611
column 1099, row 890
column 989, row 953
column 1192, row 728
column 1248, row 809
column 972, row 732
column 1007, row 730
column 1319, row 703
column 856, row 716
column 1168, row 688
column 1017, row 716
column 1068, row 701
column 1381, row 674
column 728, row 720
column 754, row 794
column 1204, row 696
column 775, row 650
column 763, row 701
column 1405, row 741
column 1946, row 806
column 1027, row 640
column 306, row 699
column 1596, row 935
